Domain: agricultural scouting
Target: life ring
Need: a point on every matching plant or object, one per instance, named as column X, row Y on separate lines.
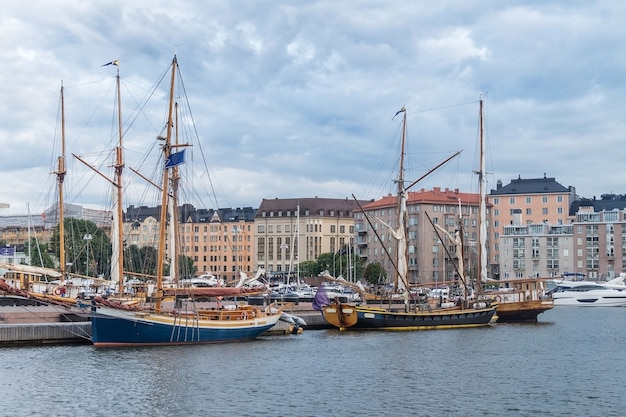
column 498, row 298
column 57, row 291
column 243, row 316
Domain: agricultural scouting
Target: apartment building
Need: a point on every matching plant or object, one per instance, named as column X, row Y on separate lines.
column 219, row 241
column 593, row 244
column 428, row 262
column 536, row 250
column 293, row 230
column 599, row 248
column 535, row 200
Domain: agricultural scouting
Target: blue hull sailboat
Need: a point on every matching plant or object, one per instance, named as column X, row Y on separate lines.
column 118, row 324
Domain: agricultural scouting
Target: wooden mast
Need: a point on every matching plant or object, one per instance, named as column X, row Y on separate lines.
column 401, row 281
column 164, row 199
column 119, row 167
column 117, row 258
column 173, row 209
column 60, row 173
column 482, row 230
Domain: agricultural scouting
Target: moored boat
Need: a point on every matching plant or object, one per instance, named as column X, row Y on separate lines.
column 589, row 293
column 414, row 314
column 119, row 324
column 521, row 299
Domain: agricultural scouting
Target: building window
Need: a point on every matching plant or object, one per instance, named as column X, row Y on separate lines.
column 544, row 199
column 512, row 200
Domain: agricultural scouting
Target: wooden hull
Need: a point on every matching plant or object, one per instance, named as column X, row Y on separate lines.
column 348, row 316
column 522, row 310
column 521, row 300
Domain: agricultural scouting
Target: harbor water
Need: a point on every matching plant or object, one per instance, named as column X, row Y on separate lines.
column 571, row 363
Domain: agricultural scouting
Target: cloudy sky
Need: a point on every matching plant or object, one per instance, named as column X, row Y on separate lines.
column 296, row 98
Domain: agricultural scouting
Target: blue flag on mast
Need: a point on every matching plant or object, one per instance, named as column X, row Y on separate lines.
column 175, row 159
column 116, row 63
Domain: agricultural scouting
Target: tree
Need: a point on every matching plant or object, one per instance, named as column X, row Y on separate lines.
column 132, row 259
column 38, row 253
column 374, row 273
column 340, row 263
column 148, row 260
column 87, row 247
column 186, row 267
column 326, row 262
column 308, row 269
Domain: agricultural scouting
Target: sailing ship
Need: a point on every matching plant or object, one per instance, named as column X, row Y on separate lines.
column 418, row 316
column 519, row 299
column 50, row 285
column 120, row 324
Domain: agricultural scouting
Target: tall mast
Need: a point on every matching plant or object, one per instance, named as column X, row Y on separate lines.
column 173, row 210
column 164, row 199
column 482, row 230
column 60, row 178
column 117, row 260
column 401, row 281
column 298, row 241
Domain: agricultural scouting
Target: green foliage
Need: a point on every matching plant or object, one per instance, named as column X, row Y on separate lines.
column 308, row 269
column 148, row 260
column 140, row 260
column 339, row 264
column 144, row 261
column 85, row 256
column 186, row 266
column 38, row 253
column 374, row 273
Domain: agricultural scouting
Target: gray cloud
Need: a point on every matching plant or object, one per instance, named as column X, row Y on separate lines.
column 296, row 99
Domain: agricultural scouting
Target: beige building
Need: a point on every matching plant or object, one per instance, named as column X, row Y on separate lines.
column 428, row 260
column 535, row 201
column 220, row 242
column 294, row 230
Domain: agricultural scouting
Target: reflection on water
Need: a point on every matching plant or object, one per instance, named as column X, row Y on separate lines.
column 571, row 363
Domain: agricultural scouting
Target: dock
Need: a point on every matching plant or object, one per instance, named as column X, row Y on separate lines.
column 24, row 323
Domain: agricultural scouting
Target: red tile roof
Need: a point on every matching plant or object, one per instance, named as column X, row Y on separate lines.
column 434, row 196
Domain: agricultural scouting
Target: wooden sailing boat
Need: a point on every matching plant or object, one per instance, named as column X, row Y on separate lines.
column 47, row 285
column 422, row 316
column 116, row 324
column 519, row 299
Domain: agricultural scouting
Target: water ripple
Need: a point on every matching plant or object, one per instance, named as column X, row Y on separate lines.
column 570, row 364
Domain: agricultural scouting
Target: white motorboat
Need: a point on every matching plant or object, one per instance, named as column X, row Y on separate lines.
column 590, row 294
